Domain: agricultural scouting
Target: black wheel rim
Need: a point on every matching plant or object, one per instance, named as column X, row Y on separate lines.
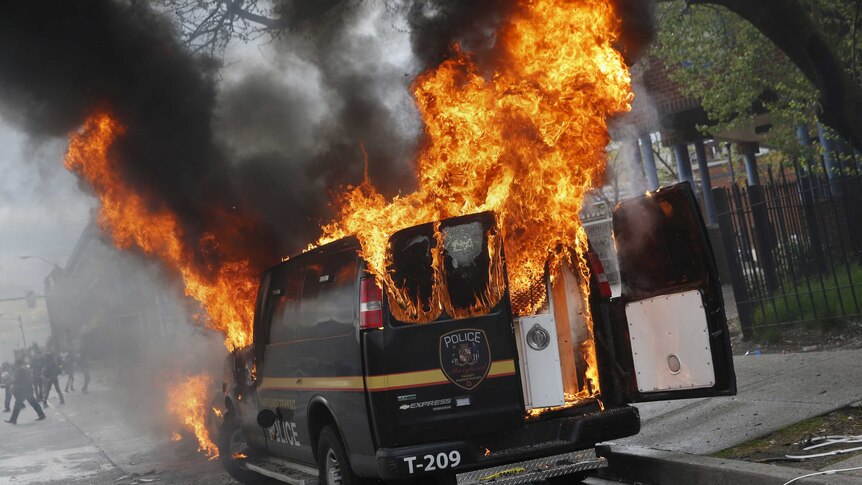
column 332, row 468
column 237, row 445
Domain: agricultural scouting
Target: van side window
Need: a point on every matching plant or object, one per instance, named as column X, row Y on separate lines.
column 329, row 296
column 287, row 282
column 261, row 318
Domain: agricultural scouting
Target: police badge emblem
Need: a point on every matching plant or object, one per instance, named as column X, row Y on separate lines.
column 465, row 357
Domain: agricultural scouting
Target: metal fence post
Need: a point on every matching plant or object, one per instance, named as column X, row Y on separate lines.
column 763, row 235
column 737, row 278
column 809, row 211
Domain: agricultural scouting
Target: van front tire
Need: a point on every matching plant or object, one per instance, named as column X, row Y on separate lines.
column 333, row 465
column 229, row 436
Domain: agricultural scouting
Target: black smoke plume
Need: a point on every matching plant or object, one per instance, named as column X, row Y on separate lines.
column 62, row 61
column 472, row 24
column 275, row 132
column 638, row 27
column 255, row 162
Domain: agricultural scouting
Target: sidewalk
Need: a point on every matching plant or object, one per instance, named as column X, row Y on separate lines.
column 774, row 391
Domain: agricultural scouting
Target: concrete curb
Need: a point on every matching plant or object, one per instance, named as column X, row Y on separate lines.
column 654, row 467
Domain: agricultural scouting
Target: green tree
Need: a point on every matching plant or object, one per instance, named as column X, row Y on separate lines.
column 797, row 58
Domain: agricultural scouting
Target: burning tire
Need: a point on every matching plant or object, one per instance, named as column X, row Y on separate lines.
column 332, row 460
column 231, row 444
column 215, row 414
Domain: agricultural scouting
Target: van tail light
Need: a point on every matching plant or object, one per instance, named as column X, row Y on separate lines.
column 370, row 304
column 599, row 270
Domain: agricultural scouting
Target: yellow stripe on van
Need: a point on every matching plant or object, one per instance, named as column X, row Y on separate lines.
column 378, row 383
column 502, row 367
column 407, row 379
column 345, row 383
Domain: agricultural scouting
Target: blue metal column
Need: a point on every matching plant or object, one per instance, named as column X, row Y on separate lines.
column 705, row 182
column 634, row 165
column 802, row 135
column 649, row 163
column 683, row 163
column 828, row 151
column 749, row 151
column 805, row 141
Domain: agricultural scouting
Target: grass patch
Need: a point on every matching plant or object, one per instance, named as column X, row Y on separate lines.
column 825, row 300
column 790, row 441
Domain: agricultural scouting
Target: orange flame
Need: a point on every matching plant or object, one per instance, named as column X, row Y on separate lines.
column 526, row 141
column 187, row 401
column 175, row 436
column 133, row 222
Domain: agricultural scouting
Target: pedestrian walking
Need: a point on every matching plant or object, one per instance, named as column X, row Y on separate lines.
column 69, row 369
column 6, row 378
column 51, row 372
column 37, row 361
column 84, row 366
column 22, row 388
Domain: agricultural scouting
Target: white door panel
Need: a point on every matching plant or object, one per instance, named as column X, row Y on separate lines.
column 542, row 377
column 670, row 342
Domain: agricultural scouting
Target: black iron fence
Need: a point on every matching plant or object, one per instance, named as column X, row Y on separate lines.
column 793, row 249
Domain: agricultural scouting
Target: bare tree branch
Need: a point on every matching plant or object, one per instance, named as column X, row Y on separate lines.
column 664, row 163
column 209, row 26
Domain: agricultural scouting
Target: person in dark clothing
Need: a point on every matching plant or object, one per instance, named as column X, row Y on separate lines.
column 51, row 373
column 84, row 366
column 6, row 381
column 23, row 391
column 69, row 369
column 36, row 364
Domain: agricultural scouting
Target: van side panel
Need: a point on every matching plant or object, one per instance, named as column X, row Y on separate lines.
column 312, row 374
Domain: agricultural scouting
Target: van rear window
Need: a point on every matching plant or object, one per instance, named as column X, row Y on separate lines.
column 411, row 264
column 464, row 278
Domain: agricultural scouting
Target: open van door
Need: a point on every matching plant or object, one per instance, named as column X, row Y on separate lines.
column 670, row 330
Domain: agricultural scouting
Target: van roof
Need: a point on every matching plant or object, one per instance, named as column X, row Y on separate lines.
column 349, row 242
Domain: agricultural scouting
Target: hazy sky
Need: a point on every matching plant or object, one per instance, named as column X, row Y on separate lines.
column 42, row 210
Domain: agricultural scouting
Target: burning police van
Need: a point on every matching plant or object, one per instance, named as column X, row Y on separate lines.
column 446, row 373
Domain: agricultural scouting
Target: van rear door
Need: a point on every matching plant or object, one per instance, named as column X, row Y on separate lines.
column 445, row 362
column 670, row 325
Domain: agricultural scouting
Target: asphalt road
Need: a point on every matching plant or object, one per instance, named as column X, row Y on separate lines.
column 102, row 438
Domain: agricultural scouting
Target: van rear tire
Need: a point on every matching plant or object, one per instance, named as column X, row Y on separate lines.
column 333, row 465
column 227, row 438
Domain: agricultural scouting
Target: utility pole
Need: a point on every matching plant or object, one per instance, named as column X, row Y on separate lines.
column 6, row 316
column 21, row 326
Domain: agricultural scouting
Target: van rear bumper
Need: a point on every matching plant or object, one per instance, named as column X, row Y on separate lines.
column 532, row 440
